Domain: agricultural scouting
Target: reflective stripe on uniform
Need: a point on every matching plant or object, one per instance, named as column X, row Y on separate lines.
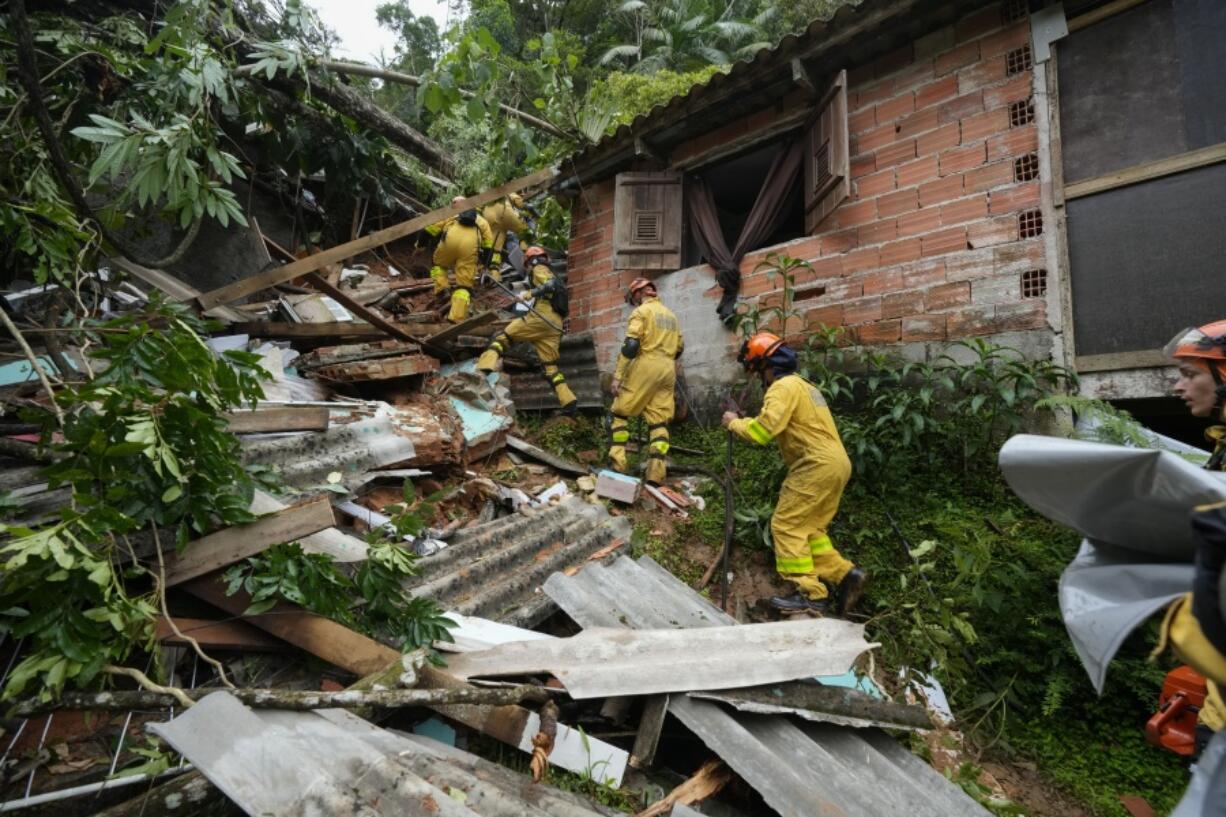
column 558, row 378
column 821, row 544
column 758, row 432
column 660, row 445
column 462, row 294
column 621, row 435
column 798, row 565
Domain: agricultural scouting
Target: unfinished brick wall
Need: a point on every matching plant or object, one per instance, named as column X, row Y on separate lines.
column 940, row 238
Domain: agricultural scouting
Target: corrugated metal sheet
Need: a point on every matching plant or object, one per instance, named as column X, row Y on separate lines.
column 854, row 36
column 604, row 663
column 332, row 762
column 800, row 770
column 532, row 392
column 496, row 570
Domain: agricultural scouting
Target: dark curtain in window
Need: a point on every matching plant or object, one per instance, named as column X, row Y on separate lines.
column 762, row 222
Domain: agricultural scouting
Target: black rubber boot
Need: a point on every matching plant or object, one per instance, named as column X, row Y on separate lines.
column 798, row 603
column 848, row 593
column 569, row 410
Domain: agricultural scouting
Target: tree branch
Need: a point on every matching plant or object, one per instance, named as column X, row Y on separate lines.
column 155, row 696
column 29, row 353
column 408, row 79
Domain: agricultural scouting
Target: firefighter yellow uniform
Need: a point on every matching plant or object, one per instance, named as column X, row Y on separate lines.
column 796, row 415
column 503, row 218
column 535, row 329
column 647, row 380
column 459, row 249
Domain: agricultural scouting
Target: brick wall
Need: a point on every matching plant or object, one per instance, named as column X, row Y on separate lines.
column 930, row 245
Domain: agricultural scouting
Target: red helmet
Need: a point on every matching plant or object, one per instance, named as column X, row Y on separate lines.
column 534, row 252
column 758, row 349
column 1207, row 343
column 640, row 286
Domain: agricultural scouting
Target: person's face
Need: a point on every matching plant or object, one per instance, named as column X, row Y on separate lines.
column 1196, row 388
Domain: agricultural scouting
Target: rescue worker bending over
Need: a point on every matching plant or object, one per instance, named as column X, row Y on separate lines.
column 504, row 217
column 1200, row 354
column 795, row 413
column 541, row 327
column 644, row 379
column 465, row 237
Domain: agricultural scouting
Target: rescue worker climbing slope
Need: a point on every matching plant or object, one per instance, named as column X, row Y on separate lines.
column 541, row 327
column 1200, row 354
column 645, row 377
column 795, row 413
column 464, row 238
column 504, row 217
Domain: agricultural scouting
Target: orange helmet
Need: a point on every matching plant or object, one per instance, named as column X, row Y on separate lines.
column 640, row 286
column 1207, row 343
column 756, row 351
column 533, row 252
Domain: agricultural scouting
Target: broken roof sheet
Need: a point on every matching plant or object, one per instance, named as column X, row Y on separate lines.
column 292, row 764
column 855, row 35
column 495, row 570
column 800, row 770
column 601, row 662
column 532, row 391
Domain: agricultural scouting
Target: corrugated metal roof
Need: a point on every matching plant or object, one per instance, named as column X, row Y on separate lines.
column 853, row 36
column 532, row 392
column 333, row 762
column 495, row 570
column 800, row 770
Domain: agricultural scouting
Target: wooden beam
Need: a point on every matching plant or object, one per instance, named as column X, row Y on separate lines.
column 1101, row 13
column 1146, row 171
column 218, row 635
column 651, row 723
column 279, row 275
column 1114, row 361
column 349, row 330
column 288, row 418
column 173, row 287
column 455, row 330
column 229, row 545
column 317, row 282
column 566, row 466
column 800, row 75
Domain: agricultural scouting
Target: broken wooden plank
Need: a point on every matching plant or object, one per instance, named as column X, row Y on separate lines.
column 379, row 369
column 288, row 418
column 706, row 782
column 350, row 352
column 536, row 453
column 461, row 328
column 217, row 635
column 173, row 287
column 349, row 330
column 227, row 546
column 317, row 282
column 264, row 280
column 651, row 723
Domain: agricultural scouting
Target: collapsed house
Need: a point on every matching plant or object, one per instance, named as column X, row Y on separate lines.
column 1045, row 176
column 565, row 650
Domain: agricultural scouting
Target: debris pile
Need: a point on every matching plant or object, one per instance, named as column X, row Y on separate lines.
column 558, row 644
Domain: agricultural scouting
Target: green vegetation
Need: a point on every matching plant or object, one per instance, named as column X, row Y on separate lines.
column 964, row 574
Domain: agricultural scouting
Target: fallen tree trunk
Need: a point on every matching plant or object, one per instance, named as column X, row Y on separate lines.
column 294, row 700
column 358, row 69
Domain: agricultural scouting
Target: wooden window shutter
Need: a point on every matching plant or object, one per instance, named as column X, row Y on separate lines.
column 827, row 160
column 647, row 221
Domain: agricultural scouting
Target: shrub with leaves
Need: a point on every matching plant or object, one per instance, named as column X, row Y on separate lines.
column 372, row 599
column 141, row 445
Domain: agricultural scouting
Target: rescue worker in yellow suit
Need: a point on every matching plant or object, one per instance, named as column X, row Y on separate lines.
column 795, row 413
column 645, row 377
column 542, row 327
column 465, row 238
column 503, row 217
column 1200, row 354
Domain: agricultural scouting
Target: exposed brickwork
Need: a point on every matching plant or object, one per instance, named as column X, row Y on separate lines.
column 929, row 245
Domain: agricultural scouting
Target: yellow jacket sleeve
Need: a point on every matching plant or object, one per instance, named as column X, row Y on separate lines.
column 777, row 408
column 487, row 235
column 634, row 330
column 511, row 221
